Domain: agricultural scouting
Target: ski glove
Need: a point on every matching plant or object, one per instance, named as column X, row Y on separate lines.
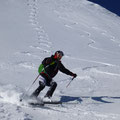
column 74, row 75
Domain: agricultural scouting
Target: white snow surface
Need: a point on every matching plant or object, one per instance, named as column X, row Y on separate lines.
column 31, row 30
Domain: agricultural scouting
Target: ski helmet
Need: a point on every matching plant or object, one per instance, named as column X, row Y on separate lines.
column 59, row 52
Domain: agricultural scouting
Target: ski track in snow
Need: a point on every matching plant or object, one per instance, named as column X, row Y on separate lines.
column 72, row 23
column 43, row 38
column 42, row 45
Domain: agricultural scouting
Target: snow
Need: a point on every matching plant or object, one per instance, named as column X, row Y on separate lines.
column 31, row 30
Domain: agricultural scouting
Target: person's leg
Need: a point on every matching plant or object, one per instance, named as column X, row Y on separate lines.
column 38, row 90
column 42, row 84
column 51, row 90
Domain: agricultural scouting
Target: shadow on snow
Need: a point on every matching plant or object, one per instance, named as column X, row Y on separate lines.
column 80, row 99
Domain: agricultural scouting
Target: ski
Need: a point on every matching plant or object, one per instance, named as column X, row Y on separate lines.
column 36, row 104
column 53, row 102
column 44, row 103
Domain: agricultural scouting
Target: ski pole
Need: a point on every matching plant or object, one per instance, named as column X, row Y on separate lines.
column 70, row 82
column 29, row 88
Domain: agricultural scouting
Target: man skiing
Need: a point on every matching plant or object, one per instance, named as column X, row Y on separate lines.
column 47, row 70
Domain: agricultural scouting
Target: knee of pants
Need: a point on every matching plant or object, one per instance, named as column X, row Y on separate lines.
column 54, row 84
column 41, row 84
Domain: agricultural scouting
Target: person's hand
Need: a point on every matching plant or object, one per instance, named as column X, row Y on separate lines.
column 74, row 75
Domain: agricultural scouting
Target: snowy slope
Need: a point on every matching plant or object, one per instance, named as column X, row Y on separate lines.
column 89, row 36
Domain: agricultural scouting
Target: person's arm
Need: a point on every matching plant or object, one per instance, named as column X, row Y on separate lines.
column 65, row 70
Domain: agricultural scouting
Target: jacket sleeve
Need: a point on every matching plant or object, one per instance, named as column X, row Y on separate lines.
column 64, row 70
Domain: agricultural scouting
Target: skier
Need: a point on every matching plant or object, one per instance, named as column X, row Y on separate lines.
column 47, row 70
